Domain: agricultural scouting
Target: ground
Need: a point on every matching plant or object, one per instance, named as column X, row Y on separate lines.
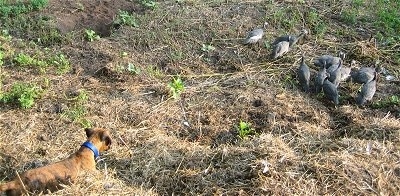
column 302, row 144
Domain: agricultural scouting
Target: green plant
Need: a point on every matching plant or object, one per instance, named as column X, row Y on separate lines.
column 357, row 3
column 61, row 62
column 176, row 87
column 123, row 54
column 387, row 102
column 91, row 35
column 133, row 69
column 22, row 93
column 154, row 71
column 10, row 8
column 207, row 48
column 245, row 130
column 25, row 60
column 77, row 112
column 349, row 16
column 318, row 26
column 124, row 18
column 149, row 3
column 82, row 97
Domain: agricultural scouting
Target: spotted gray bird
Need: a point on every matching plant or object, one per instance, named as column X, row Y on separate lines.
column 255, row 35
column 303, row 73
column 280, row 49
column 293, row 39
column 330, row 91
column 335, row 75
column 363, row 75
column 367, row 91
column 329, row 60
column 319, row 80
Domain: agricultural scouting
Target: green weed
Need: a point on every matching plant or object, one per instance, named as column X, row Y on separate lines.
column 77, row 112
column 245, row 130
column 176, row 55
column 286, row 18
column 149, row 4
column 154, row 71
column 133, row 69
column 349, row 16
column 91, row 35
column 61, row 63
column 25, row 60
column 9, row 8
column 357, row 3
column 81, row 98
column 124, row 18
column 23, row 94
column 207, row 48
column 176, row 87
column 123, row 54
column 316, row 22
column 40, row 29
column 387, row 102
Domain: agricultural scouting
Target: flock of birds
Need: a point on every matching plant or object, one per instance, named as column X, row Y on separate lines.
column 331, row 72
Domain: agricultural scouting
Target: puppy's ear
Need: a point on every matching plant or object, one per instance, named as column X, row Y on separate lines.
column 107, row 139
column 89, row 132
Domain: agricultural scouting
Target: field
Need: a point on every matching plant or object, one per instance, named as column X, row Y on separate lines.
column 191, row 109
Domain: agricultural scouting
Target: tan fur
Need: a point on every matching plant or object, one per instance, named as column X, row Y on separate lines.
column 50, row 177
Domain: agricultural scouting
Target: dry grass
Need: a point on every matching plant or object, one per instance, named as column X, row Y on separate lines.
column 189, row 146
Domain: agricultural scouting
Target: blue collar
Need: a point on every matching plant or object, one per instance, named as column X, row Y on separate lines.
column 93, row 148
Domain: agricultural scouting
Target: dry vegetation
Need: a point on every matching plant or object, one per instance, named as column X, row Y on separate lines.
column 190, row 146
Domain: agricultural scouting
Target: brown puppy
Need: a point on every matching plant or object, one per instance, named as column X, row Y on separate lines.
column 49, row 178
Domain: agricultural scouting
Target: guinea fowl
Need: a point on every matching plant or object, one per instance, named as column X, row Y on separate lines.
column 329, row 61
column 367, row 91
column 293, row 39
column 255, row 35
column 320, row 78
column 335, row 75
column 303, row 74
column 363, row 75
column 280, row 49
column 330, row 91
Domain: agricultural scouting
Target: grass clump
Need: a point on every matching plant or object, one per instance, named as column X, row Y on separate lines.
column 77, row 111
column 207, row 48
column 245, row 130
column 149, row 4
column 61, row 63
column 316, row 22
column 124, row 18
column 350, row 16
column 25, row 60
column 176, row 87
column 91, row 35
column 23, row 94
column 387, row 102
column 15, row 8
column 132, row 69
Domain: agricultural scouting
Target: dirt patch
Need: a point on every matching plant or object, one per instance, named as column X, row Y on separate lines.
column 85, row 14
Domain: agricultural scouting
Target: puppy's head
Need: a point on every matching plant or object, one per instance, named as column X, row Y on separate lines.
column 99, row 137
